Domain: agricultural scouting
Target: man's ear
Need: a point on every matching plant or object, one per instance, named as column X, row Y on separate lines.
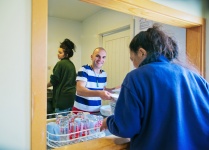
column 143, row 52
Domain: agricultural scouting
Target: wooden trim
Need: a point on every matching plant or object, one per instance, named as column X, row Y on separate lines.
column 150, row 10
column 146, row 9
column 203, row 53
column 39, row 74
column 195, row 47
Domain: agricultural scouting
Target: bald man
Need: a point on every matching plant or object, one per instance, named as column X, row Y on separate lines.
column 91, row 84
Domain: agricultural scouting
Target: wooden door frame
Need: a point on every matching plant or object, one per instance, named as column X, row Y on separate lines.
column 195, row 45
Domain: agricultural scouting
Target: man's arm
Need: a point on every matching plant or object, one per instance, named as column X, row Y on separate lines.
column 110, row 89
column 83, row 91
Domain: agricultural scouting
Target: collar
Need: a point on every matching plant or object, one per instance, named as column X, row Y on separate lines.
column 100, row 71
column 154, row 58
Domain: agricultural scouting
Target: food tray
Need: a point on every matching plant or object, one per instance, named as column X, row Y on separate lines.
column 58, row 135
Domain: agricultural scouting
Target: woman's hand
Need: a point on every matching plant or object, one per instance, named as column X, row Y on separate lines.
column 104, row 125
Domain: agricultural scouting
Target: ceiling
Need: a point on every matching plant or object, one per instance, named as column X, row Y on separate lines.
column 71, row 9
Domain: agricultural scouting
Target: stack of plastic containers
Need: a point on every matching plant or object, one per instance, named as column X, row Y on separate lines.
column 73, row 128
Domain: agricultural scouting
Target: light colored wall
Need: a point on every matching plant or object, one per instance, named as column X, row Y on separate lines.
column 58, row 30
column 15, row 78
column 193, row 7
column 101, row 22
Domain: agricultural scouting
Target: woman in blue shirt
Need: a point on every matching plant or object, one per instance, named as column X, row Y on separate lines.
column 162, row 105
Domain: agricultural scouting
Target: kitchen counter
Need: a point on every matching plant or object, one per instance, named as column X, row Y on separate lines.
column 110, row 142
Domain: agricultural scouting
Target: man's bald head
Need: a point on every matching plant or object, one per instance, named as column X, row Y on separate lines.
column 98, row 49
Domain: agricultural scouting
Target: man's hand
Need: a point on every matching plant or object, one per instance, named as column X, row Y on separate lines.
column 105, row 95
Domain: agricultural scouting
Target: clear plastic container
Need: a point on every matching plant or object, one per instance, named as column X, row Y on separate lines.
column 73, row 128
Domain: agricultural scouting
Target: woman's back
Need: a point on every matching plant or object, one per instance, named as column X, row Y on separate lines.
column 175, row 104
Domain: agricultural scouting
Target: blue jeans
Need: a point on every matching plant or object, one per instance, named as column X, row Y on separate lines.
column 62, row 112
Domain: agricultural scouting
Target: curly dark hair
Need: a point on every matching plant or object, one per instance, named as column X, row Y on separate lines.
column 156, row 43
column 68, row 47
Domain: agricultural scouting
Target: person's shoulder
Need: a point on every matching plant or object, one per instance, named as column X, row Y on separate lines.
column 59, row 63
column 143, row 71
column 63, row 61
column 198, row 76
column 85, row 68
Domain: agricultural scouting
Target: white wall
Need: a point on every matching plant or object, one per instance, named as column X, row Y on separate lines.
column 193, row 7
column 58, row 30
column 15, row 78
column 103, row 21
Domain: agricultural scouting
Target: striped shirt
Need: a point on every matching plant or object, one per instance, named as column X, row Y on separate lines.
column 93, row 82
